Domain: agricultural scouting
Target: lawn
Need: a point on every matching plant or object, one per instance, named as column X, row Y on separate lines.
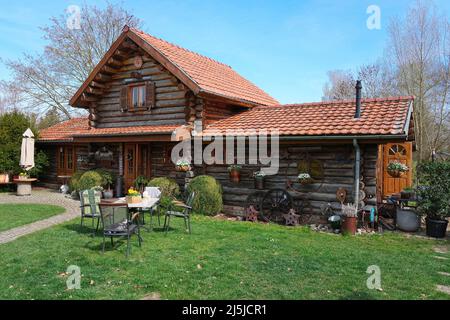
column 14, row 215
column 222, row 260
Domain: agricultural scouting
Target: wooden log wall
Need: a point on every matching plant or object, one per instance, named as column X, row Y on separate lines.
column 215, row 111
column 338, row 172
column 172, row 102
column 162, row 165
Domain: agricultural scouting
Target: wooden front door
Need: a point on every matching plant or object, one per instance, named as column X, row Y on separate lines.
column 401, row 152
column 136, row 162
column 66, row 163
column 129, row 165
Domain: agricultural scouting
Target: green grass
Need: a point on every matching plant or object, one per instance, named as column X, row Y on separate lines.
column 14, row 215
column 222, row 260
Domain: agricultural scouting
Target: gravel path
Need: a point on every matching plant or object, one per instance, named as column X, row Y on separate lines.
column 40, row 196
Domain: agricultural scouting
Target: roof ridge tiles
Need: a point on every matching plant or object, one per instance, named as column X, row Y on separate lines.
column 179, row 47
column 335, row 102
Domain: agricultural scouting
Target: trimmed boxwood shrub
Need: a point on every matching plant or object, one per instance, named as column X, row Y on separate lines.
column 88, row 180
column 168, row 186
column 208, row 195
column 74, row 180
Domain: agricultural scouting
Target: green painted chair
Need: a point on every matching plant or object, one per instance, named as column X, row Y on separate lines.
column 118, row 221
column 89, row 204
column 185, row 213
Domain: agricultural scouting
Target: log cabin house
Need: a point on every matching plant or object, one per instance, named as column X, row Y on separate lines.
column 144, row 89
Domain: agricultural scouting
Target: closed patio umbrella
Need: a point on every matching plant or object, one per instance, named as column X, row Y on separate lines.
column 27, row 150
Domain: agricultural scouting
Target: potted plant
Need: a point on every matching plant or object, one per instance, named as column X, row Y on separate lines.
column 350, row 219
column 304, row 178
column 107, row 181
column 259, row 179
column 433, row 196
column 235, row 173
column 140, row 183
column 23, row 175
column 407, row 194
column 183, row 165
column 133, row 196
column 396, row 169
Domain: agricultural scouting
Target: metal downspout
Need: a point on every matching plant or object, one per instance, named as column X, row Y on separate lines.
column 357, row 171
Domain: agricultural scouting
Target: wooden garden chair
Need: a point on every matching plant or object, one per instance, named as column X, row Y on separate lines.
column 119, row 222
column 185, row 213
column 89, row 205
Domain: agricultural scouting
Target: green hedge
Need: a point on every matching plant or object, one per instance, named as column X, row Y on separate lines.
column 168, row 186
column 208, row 195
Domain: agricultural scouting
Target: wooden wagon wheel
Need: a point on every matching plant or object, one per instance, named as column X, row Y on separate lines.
column 254, row 199
column 275, row 203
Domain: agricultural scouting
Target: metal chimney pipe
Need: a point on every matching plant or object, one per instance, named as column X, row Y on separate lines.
column 358, row 88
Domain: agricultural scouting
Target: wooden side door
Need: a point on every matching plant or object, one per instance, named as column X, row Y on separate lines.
column 401, row 152
column 66, row 162
column 130, row 167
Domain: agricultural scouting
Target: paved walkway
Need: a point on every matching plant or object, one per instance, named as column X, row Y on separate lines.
column 40, row 196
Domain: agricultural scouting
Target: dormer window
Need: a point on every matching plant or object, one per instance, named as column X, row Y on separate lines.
column 137, row 97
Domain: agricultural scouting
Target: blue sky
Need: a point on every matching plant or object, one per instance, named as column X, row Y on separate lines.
column 285, row 47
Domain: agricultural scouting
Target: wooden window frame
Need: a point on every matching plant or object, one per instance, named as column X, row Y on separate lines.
column 142, row 104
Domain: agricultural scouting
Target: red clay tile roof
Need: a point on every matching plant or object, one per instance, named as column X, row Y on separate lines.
column 79, row 127
column 387, row 116
column 210, row 75
column 65, row 130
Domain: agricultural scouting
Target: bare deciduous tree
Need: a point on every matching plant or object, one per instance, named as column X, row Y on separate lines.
column 419, row 47
column 376, row 78
column 340, row 85
column 417, row 63
column 47, row 81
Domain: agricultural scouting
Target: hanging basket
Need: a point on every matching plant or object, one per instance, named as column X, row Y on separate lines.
column 183, row 168
column 395, row 173
column 305, row 182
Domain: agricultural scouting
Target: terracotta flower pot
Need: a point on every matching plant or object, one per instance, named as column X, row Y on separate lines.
column 235, row 176
column 183, row 168
column 350, row 225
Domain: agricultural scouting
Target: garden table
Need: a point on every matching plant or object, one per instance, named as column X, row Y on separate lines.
column 24, row 186
column 147, row 203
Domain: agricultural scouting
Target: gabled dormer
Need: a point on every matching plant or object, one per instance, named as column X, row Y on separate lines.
column 143, row 80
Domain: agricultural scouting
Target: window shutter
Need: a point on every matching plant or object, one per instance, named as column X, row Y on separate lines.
column 124, row 99
column 150, row 94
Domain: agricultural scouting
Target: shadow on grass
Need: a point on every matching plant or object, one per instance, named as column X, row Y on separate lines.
column 95, row 242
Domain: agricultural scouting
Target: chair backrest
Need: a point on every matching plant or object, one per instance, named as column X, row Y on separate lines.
column 90, row 200
column 113, row 214
column 189, row 202
column 152, row 192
